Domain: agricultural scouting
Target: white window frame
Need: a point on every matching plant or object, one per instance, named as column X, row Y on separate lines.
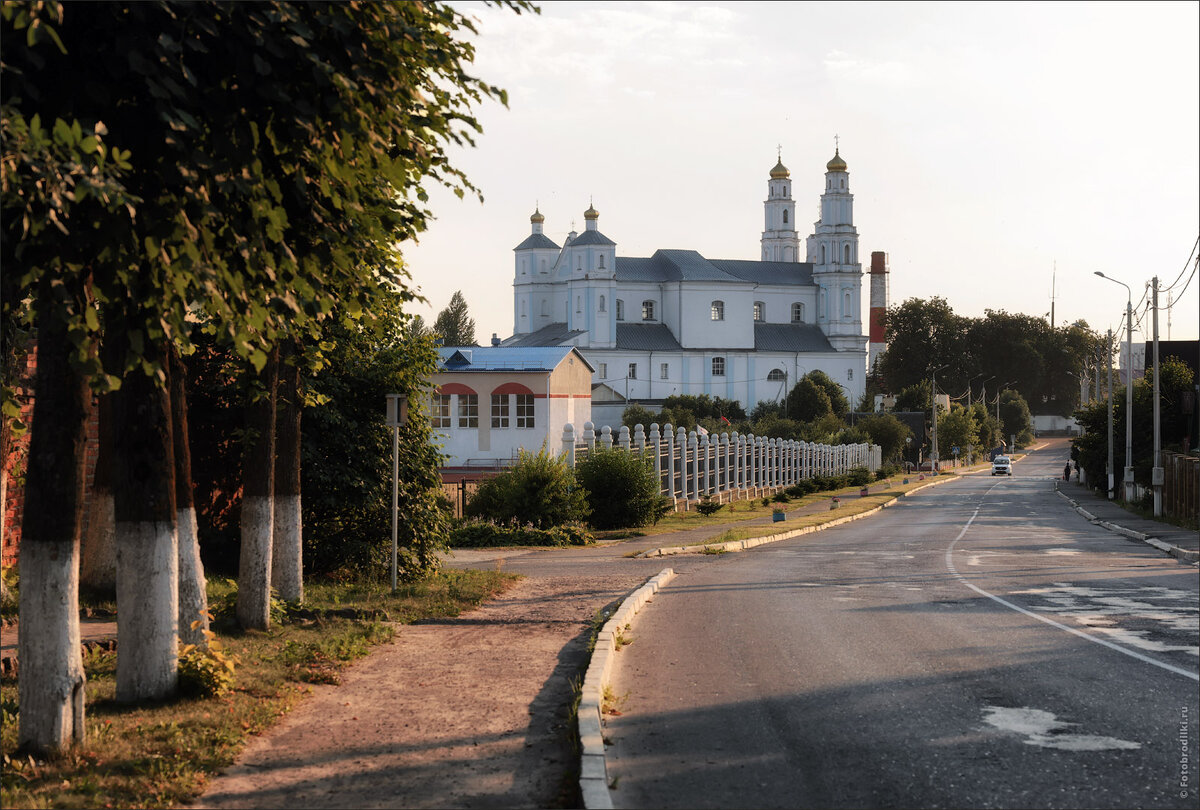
column 468, row 411
column 439, row 412
column 648, row 309
column 526, row 411
column 718, row 310
column 718, row 366
column 500, row 412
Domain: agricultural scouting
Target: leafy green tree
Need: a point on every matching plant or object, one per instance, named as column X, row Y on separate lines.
column 454, row 325
column 1014, row 417
column 703, row 406
column 838, row 403
column 622, row 489
column 922, row 334
column 808, row 401
column 915, row 397
column 957, row 429
column 886, row 431
column 635, row 415
column 986, row 428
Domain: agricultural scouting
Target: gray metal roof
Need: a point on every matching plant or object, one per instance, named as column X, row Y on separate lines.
column 591, row 238
column 790, row 337
column 554, row 334
column 646, row 337
column 688, row 265
column 537, row 240
column 504, row 358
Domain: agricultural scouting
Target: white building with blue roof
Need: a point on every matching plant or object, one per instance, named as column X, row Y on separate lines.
column 679, row 323
column 489, row 403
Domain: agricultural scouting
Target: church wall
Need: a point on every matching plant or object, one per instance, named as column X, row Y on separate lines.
column 699, row 330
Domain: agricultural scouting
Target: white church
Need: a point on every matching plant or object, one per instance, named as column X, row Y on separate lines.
column 679, row 323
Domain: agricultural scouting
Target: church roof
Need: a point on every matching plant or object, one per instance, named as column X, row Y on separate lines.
column 554, row 334
column 790, row 337
column 688, row 265
column 646, row 337
column 591, row 238
column 537, row 240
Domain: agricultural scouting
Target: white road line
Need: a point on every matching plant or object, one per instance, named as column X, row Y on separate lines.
column 1103, row 643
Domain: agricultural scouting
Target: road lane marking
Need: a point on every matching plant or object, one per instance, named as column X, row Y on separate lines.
column 1102, row 642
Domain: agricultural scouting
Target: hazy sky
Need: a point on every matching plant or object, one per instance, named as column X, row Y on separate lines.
column 986, row 143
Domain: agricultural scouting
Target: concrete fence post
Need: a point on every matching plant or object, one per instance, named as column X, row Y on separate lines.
column 656, row 449
column 589, row 435
column 668, row 438
column 624, row 440
column 606, row 441
column 568, row 441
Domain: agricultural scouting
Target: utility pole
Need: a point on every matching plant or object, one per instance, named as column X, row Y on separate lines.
column 1129, row 398
column 1112, row 483
column 933, row 449
column 1156, row 473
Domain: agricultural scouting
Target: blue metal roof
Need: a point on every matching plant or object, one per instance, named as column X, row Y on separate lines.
column 505, row 358
column 646, row 337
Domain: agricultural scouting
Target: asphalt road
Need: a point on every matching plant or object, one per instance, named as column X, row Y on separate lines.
column 977, row 645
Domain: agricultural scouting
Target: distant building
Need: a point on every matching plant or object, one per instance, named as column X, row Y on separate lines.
column 679, row 323
column 489, row 403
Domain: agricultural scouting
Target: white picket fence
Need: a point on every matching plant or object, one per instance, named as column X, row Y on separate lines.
column 724, row 468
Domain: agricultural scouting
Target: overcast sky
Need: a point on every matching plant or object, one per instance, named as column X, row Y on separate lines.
column 986, row 143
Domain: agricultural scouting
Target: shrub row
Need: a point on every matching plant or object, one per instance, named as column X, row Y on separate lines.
column 485, row 535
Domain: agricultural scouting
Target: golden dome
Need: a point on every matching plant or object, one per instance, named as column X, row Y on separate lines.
column 537, row 217
column 591, row 213
column 780, row 171
column 837, row 164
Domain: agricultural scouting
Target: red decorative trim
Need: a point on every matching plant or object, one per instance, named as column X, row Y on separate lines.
column 512, row 388
column 455, row 388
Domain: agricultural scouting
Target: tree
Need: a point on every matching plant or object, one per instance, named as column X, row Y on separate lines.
column 886, row 431
column 278, row 147
column 957, row 429
column 921, row 335
column 838, row 403
column 453, row 325
column 808, row 401
column 1014, row 417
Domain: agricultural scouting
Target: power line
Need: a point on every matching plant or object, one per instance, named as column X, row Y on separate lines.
column 1185, row 266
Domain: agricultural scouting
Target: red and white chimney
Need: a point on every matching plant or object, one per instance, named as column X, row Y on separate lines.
column 879, row 305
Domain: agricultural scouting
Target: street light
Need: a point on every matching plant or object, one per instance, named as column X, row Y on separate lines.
column 397, row 417
column 933, row 449
column 1128, row 384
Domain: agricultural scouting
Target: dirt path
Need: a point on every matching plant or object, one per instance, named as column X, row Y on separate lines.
column 468, row 712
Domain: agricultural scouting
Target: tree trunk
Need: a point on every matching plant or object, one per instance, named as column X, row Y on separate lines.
column 51, row 690
column 98, row 565
column 193, row 594
column 287, row 573
column 258, row 485
column 147, row 560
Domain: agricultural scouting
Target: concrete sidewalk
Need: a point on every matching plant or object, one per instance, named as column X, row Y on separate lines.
column 1118, row 519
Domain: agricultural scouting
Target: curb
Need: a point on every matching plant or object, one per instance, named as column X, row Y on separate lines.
column 1175, row 551
column 593, row 768
column 743, row 545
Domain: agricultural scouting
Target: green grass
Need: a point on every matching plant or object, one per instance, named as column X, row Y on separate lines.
column 161, row 755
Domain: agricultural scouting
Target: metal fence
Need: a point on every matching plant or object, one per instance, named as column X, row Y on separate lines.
column 723, row 467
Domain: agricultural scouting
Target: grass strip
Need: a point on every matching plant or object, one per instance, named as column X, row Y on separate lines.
column 161, row 755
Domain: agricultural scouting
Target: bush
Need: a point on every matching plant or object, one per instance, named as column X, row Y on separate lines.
column 540, row 490
column 206, row 671
column 622, row 489
column 803, row 487
column 488, row 535
column 859, row 477
column 887, row 471
column 781, row 497
column 708, row 507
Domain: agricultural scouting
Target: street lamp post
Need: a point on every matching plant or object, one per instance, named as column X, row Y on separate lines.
column 933, row 449
column 397, row 416
column 1156, row 473
column 1112, row 478
column 1128, row 384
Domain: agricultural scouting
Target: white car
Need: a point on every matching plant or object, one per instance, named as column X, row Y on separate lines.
column 1002, row 465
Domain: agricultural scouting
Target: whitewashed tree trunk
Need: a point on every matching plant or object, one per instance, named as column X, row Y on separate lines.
column 287, row 556
column 51, row 685
column 258, row 511
column 147, row 595
column 193, row 594
column 147, row 555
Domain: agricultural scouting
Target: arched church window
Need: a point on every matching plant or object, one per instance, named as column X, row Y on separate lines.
column 785, row 215
column 718, row 310
column 822, row 254
column 647, row 310
column 545, row 308
column 543, row 265
column 847, row 305
column 601, row 261
column 523, row 309
column 602, row 303
column 579, row 303
column 776, row 375
column 620, row 310
column 843, row 182
column 798, row 312
column 846, row 251
column 759, row 310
